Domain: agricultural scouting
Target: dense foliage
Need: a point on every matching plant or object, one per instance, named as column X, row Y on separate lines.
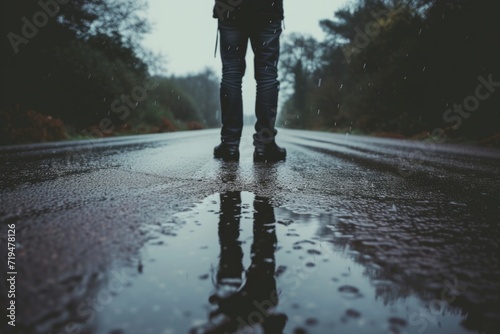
column 76, row 68
column 414, row 68
column 406, row 68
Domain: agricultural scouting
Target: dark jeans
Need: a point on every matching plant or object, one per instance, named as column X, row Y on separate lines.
column 264, row 39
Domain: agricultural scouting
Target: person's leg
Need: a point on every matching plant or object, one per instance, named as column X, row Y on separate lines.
column 233, row 46
column 266, row 46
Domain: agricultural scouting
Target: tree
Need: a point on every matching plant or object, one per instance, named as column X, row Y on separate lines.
column 299, row 65
column 401, row 67
column 204, row 90
column 70, row 61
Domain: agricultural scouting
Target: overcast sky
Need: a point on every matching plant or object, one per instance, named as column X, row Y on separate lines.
column 184, row 31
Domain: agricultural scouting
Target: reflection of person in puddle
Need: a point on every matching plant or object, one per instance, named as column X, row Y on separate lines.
column 242, row 306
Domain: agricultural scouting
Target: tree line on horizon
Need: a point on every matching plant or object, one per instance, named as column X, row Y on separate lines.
column 402, row 68
column 76, row 69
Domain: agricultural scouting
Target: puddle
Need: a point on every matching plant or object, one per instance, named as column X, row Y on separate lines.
column 233, row 262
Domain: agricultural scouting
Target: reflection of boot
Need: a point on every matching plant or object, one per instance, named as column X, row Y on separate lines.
column 254, row 302
column 230, row 263
column 260, row 282
column 256, row 299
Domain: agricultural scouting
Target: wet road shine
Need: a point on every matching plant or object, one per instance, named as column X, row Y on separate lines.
column 351, row 234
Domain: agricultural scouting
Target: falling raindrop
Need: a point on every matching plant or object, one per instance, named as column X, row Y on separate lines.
column 364, row 66
column 420, row 32
column 341, row 86
column 423, row 69
column 319, row 110
column 319, row 82
column 89, row 76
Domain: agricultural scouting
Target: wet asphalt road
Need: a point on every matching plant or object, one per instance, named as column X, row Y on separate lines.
column 150, row 234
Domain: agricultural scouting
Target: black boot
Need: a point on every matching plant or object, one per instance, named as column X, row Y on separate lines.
column 227, row 152
column 269, row 152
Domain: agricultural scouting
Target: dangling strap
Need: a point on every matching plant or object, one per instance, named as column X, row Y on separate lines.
column 216, row 41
